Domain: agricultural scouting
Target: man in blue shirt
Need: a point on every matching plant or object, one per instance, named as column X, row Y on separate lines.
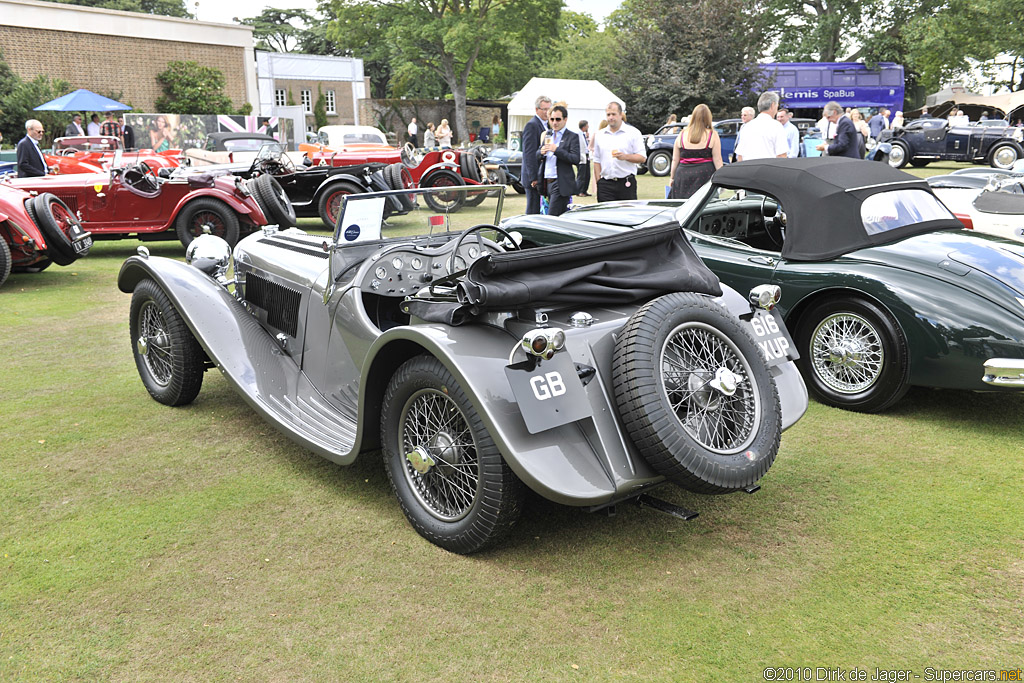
column 558, row 158
column 877, row 124
column 792, row 132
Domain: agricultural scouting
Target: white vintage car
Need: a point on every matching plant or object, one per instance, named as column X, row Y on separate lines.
column 985, row 199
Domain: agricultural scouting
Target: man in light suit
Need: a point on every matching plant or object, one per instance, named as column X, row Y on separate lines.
column 31, row 163
column 847, row 142
column 75, row 127
column 531, row 159
column 558, row 160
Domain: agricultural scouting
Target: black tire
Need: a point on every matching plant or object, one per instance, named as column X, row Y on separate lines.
column 475, row 198
column 853, row 354
column 393, row 174
column 37, row 267
column 274, row 201
column 446, row 202
column 55, row 221
column 660, row 163
column 518, row 187
column 465, row 498
column 469, row 166
column 5, row 261
column 1003, row 156
column 331, row 199
column 704, row 438
column 920, row 163
column 899, row 155
column 498, row 178
column 169, row 359
column 206, row 211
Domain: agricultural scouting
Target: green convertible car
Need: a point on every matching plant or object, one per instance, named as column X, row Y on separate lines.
column 883, row 288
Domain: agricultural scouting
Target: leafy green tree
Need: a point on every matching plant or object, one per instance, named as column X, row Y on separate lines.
column 583, row 51
column 169, row 8
column 676, row 54
column 815, row 30
column 276, row 30
column 18, row 103
column 446, row 38
column 190, row 88
column 360, row 30
column 320, row 109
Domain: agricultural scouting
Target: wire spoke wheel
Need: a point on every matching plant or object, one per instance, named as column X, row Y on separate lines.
column 708, row 384
column 158, row 345
column 208, row 219
column 847, row 353
column 432, row 423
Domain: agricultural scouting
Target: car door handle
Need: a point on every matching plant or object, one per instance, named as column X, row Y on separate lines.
column 762, row 260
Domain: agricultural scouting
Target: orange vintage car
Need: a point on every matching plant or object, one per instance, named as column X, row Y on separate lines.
column 350, row 145
column 95, row 153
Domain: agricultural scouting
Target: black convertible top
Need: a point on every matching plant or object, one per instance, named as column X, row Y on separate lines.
column 822, row 200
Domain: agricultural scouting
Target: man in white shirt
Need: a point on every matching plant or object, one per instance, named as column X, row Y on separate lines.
column 617, row 150
column 94, row 125
column 412, row 131
column 792, row 133
column 764, row 137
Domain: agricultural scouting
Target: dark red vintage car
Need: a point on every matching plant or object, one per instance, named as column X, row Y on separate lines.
column 36, row 231
column 97, row 153
column 136, row 201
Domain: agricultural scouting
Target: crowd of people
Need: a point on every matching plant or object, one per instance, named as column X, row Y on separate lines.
column 557, row 157
column 30, row 160
column 441, row 134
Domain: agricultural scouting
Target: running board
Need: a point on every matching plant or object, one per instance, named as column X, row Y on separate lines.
column 645, row 500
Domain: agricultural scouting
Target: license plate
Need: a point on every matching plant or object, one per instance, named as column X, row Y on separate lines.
column 771, row 336
column 549, row 392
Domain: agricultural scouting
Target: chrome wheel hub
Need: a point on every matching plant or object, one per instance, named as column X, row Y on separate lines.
column 1005, row 157
column 710, row 388
column 847, row 353
column 896, row 155
column 442, row 468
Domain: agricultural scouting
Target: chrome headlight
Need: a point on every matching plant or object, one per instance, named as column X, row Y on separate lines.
column 210, row 254
column 765, row 296
column 543, row 342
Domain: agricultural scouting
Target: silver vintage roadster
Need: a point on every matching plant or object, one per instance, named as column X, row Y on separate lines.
column 589, row 372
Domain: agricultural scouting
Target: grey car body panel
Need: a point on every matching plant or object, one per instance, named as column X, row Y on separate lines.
column 590, row 462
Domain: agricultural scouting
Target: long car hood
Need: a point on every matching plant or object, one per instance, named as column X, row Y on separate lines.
column 989, row 266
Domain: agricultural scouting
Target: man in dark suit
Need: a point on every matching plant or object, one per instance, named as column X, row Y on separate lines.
column 531, row 159
column 75, row 127
column 557, row 160
column 30, row 158
column 847, row 142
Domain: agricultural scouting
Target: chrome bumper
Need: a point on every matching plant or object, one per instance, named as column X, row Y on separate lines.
column 1004, row 372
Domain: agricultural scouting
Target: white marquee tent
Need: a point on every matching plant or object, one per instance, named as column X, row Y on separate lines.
column 586, row 100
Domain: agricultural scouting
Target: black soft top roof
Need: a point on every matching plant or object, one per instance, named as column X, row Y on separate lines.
column 822, row 199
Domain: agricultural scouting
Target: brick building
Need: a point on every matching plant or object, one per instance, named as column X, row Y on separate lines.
column 111, row 51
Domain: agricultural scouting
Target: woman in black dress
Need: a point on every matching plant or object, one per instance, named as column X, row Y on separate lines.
column 696, row 155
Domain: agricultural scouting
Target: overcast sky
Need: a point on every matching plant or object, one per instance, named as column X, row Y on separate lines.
column 223, row 10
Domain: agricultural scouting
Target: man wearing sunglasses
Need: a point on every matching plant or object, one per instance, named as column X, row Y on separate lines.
column 31, row 163
column 558, row 159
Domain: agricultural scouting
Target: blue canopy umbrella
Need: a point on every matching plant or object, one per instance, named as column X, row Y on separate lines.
column 83, row 100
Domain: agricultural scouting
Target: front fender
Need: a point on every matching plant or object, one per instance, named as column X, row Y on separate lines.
column 346, row 177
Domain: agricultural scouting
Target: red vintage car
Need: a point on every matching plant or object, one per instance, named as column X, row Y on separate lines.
column 36, row 231
column 97, row 153
column 137, row 201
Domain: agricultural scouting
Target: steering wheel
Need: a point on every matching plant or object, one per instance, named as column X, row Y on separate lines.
column 145, row 169
column 776, row 220
column 408, row 155
column 450, row 263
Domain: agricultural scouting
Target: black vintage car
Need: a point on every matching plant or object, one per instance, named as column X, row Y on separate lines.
column 926, row 140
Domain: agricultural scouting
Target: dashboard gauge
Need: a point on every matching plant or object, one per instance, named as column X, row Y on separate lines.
column 397, row 263
column 473, row 252
column 381, row 272
column 417, row 263
column 459, row 262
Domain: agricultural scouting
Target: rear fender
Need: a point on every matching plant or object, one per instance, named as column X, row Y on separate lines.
column 583, row 463
column 346, row 177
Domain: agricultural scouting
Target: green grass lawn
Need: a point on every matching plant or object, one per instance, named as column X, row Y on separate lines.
column 140, row 542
